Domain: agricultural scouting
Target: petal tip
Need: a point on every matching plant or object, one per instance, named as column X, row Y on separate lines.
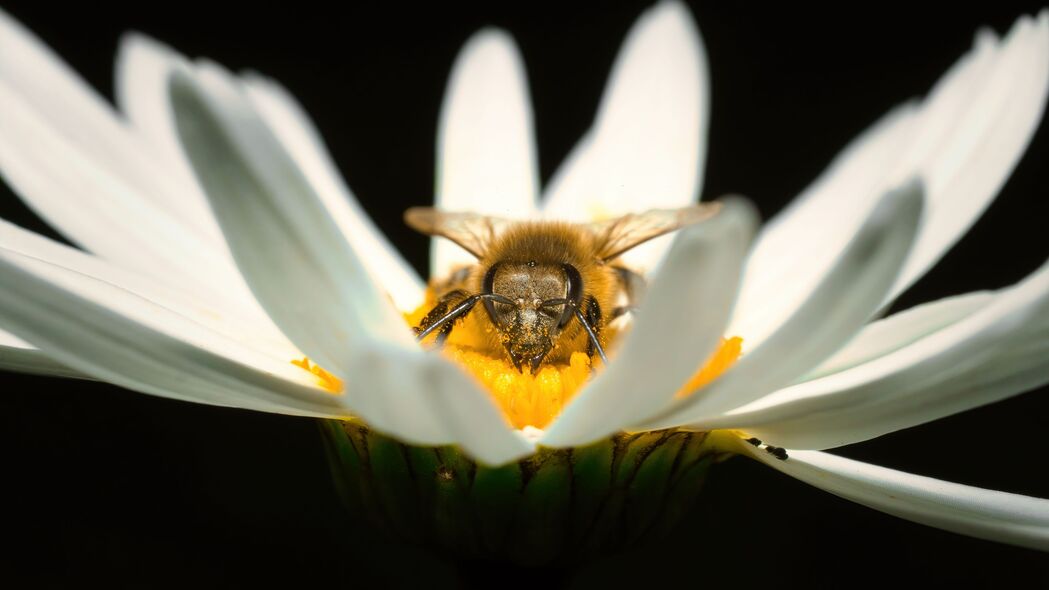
column 668, row 17
column 491, row 44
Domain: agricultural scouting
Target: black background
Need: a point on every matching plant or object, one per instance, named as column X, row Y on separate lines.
column 131, row 490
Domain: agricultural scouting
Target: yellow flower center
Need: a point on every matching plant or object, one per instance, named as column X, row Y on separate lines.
column 528, row 399
column 325, row 379
column 724, row 357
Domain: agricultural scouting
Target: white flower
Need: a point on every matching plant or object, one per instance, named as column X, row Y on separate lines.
column 207, row 295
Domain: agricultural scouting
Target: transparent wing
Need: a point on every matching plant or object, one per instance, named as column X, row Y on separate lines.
column 472, row 231
column 616, row 236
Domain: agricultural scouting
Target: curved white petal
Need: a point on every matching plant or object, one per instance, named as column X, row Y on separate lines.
column 114, row 335
column 89, row 318
column 1000, row 350
column 294, row 257
column 890, row 334
column 486, row 160
column 420, row 398
column 680, row 325
column 296, row 132
column 142, row 69
column 794, row 250
column 964, row 139
column 647, row 147
column 966, row 158
column 835, row 312
column 100, row 182
column 76, row 117
column 985, row 514
column 222, row 317
column 314, row 285
column 22, row 357
column 141, row 73
column 92, row 205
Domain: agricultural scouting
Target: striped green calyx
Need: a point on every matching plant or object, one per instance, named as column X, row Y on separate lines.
column 556, row 507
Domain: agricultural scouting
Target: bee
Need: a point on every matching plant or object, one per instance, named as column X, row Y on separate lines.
column 548, row 288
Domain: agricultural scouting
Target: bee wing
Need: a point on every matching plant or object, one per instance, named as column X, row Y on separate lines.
column 616, row 236
column 473, row 231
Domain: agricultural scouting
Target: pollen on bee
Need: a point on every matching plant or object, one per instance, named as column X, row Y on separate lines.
column 324, row 379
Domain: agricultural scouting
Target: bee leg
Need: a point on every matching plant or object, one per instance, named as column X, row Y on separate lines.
column 593, row 317
column 591, row 321
column 439, row 311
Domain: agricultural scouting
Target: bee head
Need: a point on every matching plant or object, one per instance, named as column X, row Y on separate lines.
column 534, row 302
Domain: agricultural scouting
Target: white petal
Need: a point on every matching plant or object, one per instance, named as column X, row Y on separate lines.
column 480, row 428
column 999, row 351
column 116, row 336
column 794, row 250
column 901, row 329
column 837, row 309
column 420, row 398
column 68, row 155
column 985, row 514
column 142, row 69
column 21, row 357
column 486, row 161
column 966, row 158
column 222, row 317
column 96, row 327
column 315, row 286
column 90, row 204
column 85, row 124
column 647, row 147
column 102, row 212
column 680, row 325
column 294, row 257
column 963, row 140
column 296, row 132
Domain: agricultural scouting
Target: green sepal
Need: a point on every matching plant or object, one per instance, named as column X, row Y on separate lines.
column 395, row 486
column 591, row 479
column 451, row 506
column 539, row 529
column 495, row 494
column 646, row 492
column 554, row 508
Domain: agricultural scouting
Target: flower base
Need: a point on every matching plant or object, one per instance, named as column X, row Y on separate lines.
column 556, row 508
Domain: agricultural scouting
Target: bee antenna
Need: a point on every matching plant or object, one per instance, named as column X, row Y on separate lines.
column 590, row 332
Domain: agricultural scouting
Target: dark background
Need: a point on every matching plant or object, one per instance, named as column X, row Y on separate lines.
column 131, row 490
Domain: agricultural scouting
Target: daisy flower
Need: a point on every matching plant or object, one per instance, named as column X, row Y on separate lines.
column 225, row 262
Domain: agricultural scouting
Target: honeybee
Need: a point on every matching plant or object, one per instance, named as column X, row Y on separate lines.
column 548, row 288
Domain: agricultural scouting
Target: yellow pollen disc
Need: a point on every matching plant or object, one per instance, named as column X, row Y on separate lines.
column 724, row 357
column 324, row 379
column 535, row 400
